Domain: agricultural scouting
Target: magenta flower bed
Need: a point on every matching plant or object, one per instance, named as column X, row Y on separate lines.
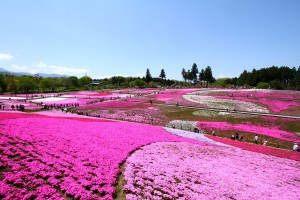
column 43, row 157
column 165, row 97
column 277, row 105
column 113, row 104
column 28, row 105
column 179, row 91
column 87, row 93
column 135, row 99
column 171, row 94
column 187, row 171
column 282, row 153
column 267, row 131
column 62, row 101
column 276, row 101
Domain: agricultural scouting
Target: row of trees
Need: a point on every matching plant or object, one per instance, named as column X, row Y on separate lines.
column 31, row 84
column 204, row 77
column 146, row 81
column 272, row 77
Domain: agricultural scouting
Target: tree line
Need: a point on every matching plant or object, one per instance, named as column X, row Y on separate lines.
column 271, row 77
column 33, row 84
column 204, row 77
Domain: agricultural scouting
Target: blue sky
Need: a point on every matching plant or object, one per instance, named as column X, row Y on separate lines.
column 106, row 38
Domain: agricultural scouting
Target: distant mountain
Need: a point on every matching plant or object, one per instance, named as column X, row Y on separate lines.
column 6, row 72
column 49, row 75
column 2, row 70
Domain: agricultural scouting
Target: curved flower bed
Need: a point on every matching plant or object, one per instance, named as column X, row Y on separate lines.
column 116, row 104
column 274, row 105
column 27, row 104
column 61, row 100
column 89, row 93
column 213, row 102
column 185, row 125
column 282, row 153
column 173, row 95
column 268, row 131
column 44, row 157
column 277, row 105
column 139, row 113
column 187, row 171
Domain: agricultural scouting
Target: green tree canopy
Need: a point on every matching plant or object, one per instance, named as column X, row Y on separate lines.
column 85, row 80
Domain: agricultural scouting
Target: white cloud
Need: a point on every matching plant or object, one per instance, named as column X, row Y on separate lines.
column 19, row 68
column 41, row 65
column 62, row 70
column 67, row 70
column 4, row 56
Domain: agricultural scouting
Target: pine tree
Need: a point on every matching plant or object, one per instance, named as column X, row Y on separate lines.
column 162, row 74
column 194, row 73
column 148, row 77
column 184, row 74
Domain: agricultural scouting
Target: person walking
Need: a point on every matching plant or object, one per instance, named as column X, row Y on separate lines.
column 295, row 147
column 265, row 142
column 256, row 139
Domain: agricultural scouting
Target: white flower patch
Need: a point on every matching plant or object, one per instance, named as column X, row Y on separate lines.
column 229, row 104
column 49, row 99
column 180, row 124
column 192, row 135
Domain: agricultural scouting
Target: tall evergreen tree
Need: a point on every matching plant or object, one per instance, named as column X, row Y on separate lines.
column 184, row 74
column 189, row 75
column 162, row 74
column 194, row 73
column 201, row 76
column 148, row 76
column 208, row 75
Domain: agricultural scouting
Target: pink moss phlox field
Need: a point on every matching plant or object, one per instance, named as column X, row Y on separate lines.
column 187, row 171
column 44, row 157
column 269, row 94
column 27, row 105
column 179, row 91
column 247, row 127
column 89, row 93
column 282, row 153
column 142, row 114
column 114, row 104
column 267, row 131
column 171, row 94
column 277, row 105
column 136, row 99
column 62, row 100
